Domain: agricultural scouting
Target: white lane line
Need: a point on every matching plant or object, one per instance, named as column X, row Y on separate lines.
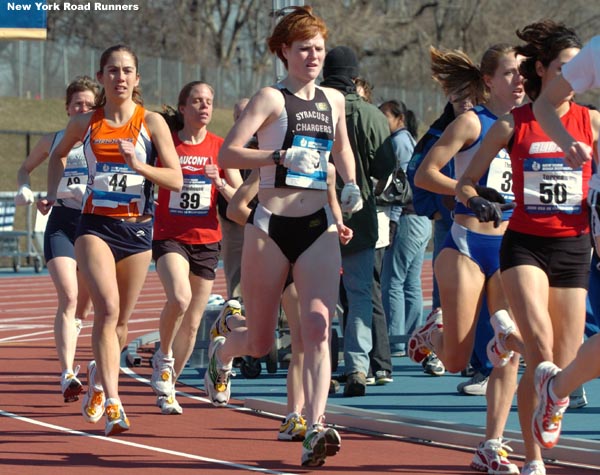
column 27, row 338
column 17, row 338
column 141, row 446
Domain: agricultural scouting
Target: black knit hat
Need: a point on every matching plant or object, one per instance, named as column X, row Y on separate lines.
column 341, row 61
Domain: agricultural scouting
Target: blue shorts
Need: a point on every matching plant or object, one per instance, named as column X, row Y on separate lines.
column 124, row 238
column 59, row 236
column 203, row 259
column 483, row 249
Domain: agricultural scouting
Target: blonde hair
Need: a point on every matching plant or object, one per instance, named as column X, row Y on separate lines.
column 460, row 77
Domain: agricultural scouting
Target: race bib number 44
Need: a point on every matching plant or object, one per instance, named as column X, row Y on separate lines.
column 116, row 184
column 551, row 186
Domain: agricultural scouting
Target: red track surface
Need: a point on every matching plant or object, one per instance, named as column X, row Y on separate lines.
column 41, row 434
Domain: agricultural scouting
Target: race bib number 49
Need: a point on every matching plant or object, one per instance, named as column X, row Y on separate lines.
column 551, row 186
column 71, row 176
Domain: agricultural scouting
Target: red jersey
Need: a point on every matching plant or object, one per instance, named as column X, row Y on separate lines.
column 190, row 216
column 550, row 195
column 114, row 189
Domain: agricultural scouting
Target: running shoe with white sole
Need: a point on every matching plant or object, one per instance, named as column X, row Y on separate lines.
column 547, row 418
column 116, row 420
column 433, row 365
column 578, row 398
column 163, row 374
column 535, row 467
column 92, row 406
column 168, row 404
column 491, row 457
column 70, row 385
column 219, row 326
column 217, row 376
column 320, row 443
column 419, row 344
column 503, row 326
column 292, row 428
column 476, row 385
column 383, row 376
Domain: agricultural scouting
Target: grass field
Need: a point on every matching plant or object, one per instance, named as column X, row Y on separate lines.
column 39, row 117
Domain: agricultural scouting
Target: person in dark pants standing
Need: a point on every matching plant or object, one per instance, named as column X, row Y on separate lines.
column 368, row 130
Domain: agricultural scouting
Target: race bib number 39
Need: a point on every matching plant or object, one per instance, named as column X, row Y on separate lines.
column 116, row 184
column 551, row 186
column 194, row 197
column 318, row 179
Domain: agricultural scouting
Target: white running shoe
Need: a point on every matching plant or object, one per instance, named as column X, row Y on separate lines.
column 578, row 398
column 219, row 326
column 92, row 406
column 503, row 326
column 116, row 420
column 535, row 467
column 476, row 385
column 320, row 443
column 492, row 457
column 547, row 417
column 217, row 377
column 292, row 428
column 163, row 374
column 419, row 344
column 169, row 405
column 70, row 385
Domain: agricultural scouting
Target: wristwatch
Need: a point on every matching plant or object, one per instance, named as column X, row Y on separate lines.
column 276, row 156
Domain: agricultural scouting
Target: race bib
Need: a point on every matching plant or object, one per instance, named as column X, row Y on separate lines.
column 71, row 176
column 318, row 179
column 194, row 197
column 550, row 186
column 116, row 184
column 499, row 175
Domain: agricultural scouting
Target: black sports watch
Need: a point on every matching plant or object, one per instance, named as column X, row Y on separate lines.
column 276, row 156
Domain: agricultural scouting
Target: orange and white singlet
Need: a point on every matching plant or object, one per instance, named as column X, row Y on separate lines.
column 114, row 189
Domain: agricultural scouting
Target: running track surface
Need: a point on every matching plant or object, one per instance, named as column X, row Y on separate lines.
column 41, row 434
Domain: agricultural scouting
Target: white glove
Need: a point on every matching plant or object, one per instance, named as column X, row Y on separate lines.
column 351, row 199
column 302, row 160
column 77, row 192
column 24, row 196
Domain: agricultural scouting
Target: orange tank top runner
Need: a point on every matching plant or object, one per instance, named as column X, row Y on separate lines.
column 114, row 189
column 190, row 216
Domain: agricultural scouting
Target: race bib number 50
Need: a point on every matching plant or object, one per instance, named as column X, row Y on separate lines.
column 551, row 186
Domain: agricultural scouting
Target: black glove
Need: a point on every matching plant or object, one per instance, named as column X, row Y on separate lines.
column 489, row 194
column 487, row 211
